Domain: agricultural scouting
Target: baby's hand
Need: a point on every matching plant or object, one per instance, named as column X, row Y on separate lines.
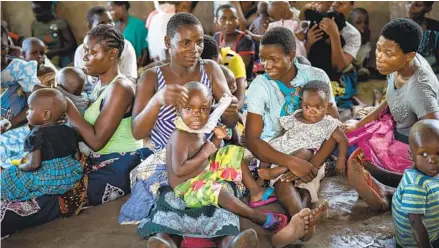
column 221, row 133
column 264, row 173
column 340, row 167
column 209, row 148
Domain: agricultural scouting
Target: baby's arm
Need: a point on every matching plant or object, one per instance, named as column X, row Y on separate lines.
column 419, row 230
column 33, row 163
column 343, row 144
column 182, row 165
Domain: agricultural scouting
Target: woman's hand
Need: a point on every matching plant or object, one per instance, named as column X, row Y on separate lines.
column 313, row 35
column 350, row 126
column 303, row 169
column 173, row 94
column 329, row 26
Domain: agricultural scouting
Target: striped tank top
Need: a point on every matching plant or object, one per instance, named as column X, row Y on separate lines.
column 164, row 125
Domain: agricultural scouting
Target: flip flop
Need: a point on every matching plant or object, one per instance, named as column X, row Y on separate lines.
column 266, row 198
column 273, row 220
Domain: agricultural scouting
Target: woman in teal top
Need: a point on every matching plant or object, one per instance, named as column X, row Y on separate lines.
column 133, row 29
column 106, row 125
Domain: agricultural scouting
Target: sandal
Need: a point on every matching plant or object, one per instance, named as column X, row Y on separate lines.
column 266, row 198
column 275, row 222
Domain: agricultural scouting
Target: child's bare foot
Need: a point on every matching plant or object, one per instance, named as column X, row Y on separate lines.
column 294, row 230
column 366, row 186
column 265, row 174
column 317, row 214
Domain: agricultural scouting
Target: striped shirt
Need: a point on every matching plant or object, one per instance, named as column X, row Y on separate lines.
column 417, row 193
column 164, row 125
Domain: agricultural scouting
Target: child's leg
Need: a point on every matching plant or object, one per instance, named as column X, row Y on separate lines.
column 256, row 191
column 229, row 202
column 164, row 240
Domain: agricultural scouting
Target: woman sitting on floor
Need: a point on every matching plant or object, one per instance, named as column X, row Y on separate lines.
column 381, row 139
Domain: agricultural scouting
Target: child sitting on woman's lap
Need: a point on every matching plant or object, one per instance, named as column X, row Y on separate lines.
column 202, row 173
column 306, row 130
column 50, row 167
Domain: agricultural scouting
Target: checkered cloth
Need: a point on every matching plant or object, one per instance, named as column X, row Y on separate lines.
column 55, row 176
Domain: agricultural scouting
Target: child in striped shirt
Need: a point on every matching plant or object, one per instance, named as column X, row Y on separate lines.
column 415, row 205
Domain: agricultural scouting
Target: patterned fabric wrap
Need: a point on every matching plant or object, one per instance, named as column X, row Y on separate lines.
column 55, row 176
column 204, row 189
column 170, row 215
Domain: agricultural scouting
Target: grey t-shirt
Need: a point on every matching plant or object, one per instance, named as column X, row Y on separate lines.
column 418, row 97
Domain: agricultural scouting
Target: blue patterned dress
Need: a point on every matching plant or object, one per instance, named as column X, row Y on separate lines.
column 18, row 78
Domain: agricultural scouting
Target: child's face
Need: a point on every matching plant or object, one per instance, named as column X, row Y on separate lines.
column 323, row 6
column 187, row 45
column 227, row 21
column 104, row 18
column 389, row 56
column 314, row 105
column 231, row 82
column 416, row 9
column 425, row 154
column 276, row 63
column 35, row 114
column 275, row 12
column 196, row 111
column 360, row 21
column 35, row 52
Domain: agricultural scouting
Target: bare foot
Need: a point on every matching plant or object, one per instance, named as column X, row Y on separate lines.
column 294, row 230
column 366, row 186
column 156, row 242
column 317, row 214
column 257, row 193
column 265, row 174
column 247, row 238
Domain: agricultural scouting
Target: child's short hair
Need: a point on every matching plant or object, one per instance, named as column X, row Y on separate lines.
column 110, row 35
column 211, row 48
column 221, row 7
column 316, row 86
column 178, row 20
column 194, row 85
column 280, row 36
column 359, row 11
column 405, row 32
column 28, row 42
column 93, row 11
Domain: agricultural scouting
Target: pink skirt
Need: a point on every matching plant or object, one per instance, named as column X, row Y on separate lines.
column 379, row 145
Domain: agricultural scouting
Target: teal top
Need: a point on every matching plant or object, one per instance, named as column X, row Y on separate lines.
column 136, row 33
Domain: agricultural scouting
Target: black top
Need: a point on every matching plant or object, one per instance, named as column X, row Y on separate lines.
column 432, row 24
column 55, row 141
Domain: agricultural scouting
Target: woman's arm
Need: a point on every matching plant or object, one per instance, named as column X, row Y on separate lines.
column 148, row 102
column 264, row 152
column 219, row 88
column 373, row 116
column 240, row 92
column 34, row 162
column 116, row 103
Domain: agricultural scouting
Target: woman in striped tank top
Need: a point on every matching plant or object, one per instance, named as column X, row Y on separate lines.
column 158, row 91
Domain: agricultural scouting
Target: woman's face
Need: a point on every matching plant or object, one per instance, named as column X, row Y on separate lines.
column 42, row 12
column 390, row 57
column 117, row 11
column 98, row 58
column 276, row 63
column 187, row 45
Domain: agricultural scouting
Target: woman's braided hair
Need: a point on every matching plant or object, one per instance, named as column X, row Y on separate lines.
column 109, row 35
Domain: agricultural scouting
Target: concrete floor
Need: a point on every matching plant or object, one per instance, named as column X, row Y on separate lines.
column 350, row 222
